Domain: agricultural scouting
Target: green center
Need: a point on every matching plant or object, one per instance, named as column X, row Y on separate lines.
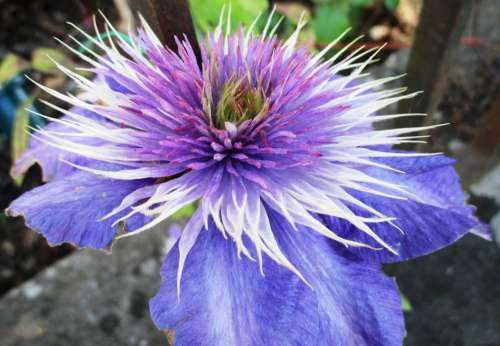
column 239, row 101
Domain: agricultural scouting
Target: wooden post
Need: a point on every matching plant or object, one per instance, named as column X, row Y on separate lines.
column 168, row 18
column 436, row 39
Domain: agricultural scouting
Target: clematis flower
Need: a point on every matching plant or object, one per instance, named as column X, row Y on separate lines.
column 300, row 198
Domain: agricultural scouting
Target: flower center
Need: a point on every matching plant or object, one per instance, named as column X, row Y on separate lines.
column 239, row 101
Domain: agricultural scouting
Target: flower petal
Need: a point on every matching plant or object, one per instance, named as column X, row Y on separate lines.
column 48, row 157
column 70, row 209
column 437, row 217
column 225, row 300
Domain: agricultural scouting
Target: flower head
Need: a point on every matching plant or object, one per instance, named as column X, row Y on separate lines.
column 301, row 196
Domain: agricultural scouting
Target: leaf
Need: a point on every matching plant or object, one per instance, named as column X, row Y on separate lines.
column 20, row 136
column 405, row 304
column 243, row 12
column 10, row 66
column 363, row 3
column 41, row 62
column 331, row 21
column 391, row 4
column 185, row 212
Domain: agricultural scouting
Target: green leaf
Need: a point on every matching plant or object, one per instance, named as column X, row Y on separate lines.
column 185, row 212
column 206, row 17
column 330, row 21
column 391, row 4
column 41, row 62
column 363, row 3
column 405, row 304
column 20, row 136
column 10, row 66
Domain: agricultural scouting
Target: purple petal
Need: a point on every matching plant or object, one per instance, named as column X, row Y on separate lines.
column 226, row 301
column 115, row 86
column 438, row 219
column 69, row 209
column 49, row 158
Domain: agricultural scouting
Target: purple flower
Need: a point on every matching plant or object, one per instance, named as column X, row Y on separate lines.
column 301, row 200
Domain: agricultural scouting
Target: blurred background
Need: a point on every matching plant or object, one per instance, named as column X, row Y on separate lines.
column 450, row 49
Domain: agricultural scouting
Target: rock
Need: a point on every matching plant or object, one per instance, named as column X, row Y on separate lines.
column 89, row 298
column 489, row 185
column 487, row 190
column 455, row 295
